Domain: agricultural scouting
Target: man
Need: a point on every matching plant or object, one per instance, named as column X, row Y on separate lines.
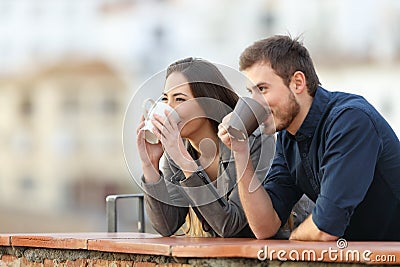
column 332, row 146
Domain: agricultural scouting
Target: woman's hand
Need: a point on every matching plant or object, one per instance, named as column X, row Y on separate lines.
column 149, row 154
column 167, row 130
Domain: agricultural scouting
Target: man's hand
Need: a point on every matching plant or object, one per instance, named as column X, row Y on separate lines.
column 308, row 231
column 229, row 141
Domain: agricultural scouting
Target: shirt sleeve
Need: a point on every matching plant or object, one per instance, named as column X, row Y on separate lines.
column 280, row 185
column 348, row 164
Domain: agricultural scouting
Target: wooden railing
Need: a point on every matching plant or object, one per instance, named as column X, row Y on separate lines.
column 142, row 249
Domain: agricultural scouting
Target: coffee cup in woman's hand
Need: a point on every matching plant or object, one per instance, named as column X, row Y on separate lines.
column 150, row 109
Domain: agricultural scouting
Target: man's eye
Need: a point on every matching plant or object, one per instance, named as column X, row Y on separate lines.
column 262, row 89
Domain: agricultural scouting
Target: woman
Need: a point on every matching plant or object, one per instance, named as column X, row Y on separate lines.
column 195, row 193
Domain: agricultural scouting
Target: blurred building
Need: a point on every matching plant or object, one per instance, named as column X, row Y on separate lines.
column 61, row 137
column 68, row 69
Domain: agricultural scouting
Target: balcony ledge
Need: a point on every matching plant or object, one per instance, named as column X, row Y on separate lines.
column 143, row 249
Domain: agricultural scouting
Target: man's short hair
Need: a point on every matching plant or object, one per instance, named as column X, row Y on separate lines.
column 285, row 56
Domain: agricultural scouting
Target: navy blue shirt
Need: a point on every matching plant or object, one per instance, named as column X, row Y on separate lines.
column 346, row 158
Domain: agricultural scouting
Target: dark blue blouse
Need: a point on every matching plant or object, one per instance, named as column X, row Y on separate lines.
column 346, row 158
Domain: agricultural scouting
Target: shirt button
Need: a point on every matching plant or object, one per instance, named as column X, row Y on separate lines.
column 304, row 155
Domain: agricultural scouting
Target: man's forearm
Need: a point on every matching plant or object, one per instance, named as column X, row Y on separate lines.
column 257, row 204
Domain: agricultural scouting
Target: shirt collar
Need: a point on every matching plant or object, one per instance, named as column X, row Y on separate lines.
column 314, row 115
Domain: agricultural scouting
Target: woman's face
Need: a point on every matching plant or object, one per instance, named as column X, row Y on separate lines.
column 178, row 95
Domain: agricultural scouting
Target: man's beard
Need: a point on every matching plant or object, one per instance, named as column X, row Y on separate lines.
column 288, row 113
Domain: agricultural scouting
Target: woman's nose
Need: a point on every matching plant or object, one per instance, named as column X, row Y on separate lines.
column 171, row 103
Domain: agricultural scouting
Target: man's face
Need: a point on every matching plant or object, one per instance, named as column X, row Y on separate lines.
column 269, row 89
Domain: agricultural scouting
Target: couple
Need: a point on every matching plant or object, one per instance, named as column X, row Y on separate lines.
column 332, row 149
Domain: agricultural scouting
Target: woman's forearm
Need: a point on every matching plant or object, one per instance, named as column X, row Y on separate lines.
column 165, row 218
column 151, row 172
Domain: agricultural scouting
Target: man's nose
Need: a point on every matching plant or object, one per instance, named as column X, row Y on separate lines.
column 259, row 98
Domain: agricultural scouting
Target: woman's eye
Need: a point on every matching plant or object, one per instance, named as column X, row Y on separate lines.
column 164, row 99
column 179, row 99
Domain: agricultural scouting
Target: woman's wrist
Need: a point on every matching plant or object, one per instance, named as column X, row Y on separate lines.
column 189, row 166
column 151, row 173
column 184, row 160
column 149, row 164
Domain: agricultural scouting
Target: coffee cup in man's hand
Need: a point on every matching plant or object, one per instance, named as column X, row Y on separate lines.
column 246, row 118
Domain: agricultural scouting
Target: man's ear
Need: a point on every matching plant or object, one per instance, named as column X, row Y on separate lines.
column 298, row 82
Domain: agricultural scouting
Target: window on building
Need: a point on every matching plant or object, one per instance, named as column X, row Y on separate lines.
column 70, row 103
column 26, row 106
column 109, row 105
column 27, row 184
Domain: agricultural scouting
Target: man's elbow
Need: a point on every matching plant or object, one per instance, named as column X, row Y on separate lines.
column 265, row 232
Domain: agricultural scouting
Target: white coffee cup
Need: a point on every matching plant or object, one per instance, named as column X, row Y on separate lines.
column 158, row 108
